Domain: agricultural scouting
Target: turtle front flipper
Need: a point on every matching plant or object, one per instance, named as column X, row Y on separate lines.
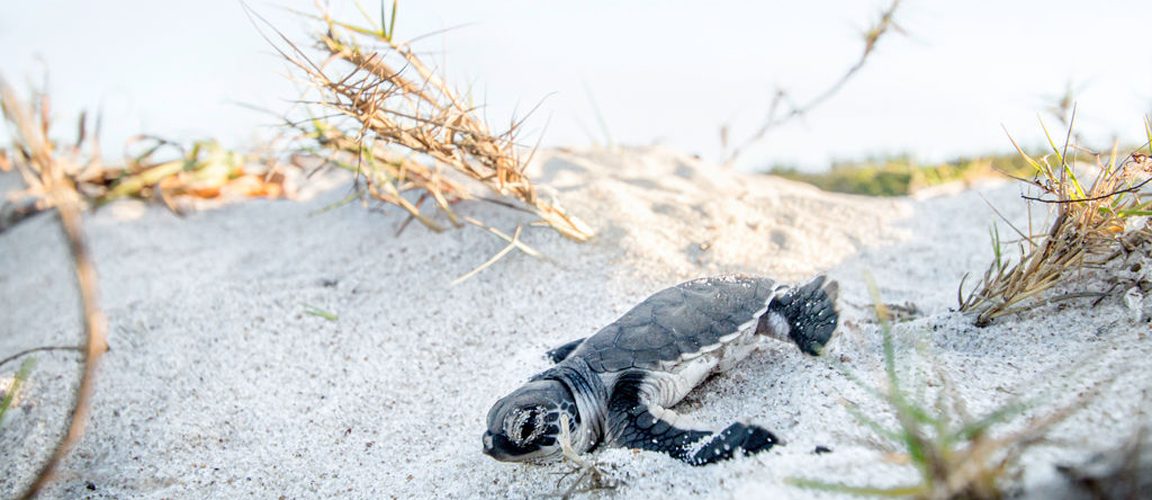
column 634, row 422
column 561, row 353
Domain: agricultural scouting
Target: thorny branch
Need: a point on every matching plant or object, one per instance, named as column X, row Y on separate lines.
column 405, row 130
column 884, row 25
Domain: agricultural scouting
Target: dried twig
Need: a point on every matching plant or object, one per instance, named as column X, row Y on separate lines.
column 52, row 175
column 885, row 24
column 34, row 350
column 1105, row 196
column 588, row 472
column 68, row 209
column 14, row 213
column 499, row 255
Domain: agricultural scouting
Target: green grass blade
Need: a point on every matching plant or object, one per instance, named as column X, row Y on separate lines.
column 872, row 391
column 890, row 359
column 1051, row 142
column 995, row 234
column 364, row 12
column 357, row 29
column 14, row 389
column 896, row 491
column 1002, row 414
column 916, row 413
column 1031, row 161
column 875, row 426
column 1148, row 133
column 392, row 22
column 1137, row 213
column 328, row 208
column 320, row 313
column 1064, row 163
column 882, row 317
column 916, row 444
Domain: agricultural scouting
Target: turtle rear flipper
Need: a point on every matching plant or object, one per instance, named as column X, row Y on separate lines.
column 805, row 314
column 561, row 353
column 634, row 422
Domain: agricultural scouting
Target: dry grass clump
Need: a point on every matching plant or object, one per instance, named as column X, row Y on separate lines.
column 955, row 453
column 203, row 171
column 411, row 136
column 1100, row 215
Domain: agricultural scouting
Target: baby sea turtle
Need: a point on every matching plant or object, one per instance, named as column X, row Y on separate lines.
column 617, row 385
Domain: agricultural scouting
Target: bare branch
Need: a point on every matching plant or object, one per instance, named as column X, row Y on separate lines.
column 884, row 25
column 51, row 173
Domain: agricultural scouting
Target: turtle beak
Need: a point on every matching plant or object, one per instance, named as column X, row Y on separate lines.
column 497, row 446
column 488, row 449
column 493, row 447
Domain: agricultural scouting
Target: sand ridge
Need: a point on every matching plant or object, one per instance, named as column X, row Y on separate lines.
column 219, row 384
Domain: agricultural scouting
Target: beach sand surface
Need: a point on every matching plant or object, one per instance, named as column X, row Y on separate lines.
column 220, row 382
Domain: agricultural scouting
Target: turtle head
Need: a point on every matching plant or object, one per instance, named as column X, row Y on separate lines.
column 525, row 425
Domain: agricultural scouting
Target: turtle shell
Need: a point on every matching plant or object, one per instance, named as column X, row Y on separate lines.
column 693, row 317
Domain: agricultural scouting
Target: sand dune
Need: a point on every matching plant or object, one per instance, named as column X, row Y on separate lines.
column 220, row 384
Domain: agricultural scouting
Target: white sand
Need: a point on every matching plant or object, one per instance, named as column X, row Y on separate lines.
column 219, row 384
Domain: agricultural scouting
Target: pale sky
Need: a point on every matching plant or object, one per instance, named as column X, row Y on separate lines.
column 669, row 72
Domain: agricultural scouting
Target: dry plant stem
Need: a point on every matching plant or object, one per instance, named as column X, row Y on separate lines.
column 13, row 214
column 882, row 27
column 51, row 177
column 33, row 350
column 512, row 245
column 66, row 201
column 588, row 471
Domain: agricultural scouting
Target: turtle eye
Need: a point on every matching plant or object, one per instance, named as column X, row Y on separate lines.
column 524, row 427
column 529, row 427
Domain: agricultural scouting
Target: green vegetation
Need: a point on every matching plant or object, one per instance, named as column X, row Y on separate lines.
column 202, row 170
column 954, row 453
column 164, row 171
column 901, row 175
column 14, row 389
column 320, row 313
